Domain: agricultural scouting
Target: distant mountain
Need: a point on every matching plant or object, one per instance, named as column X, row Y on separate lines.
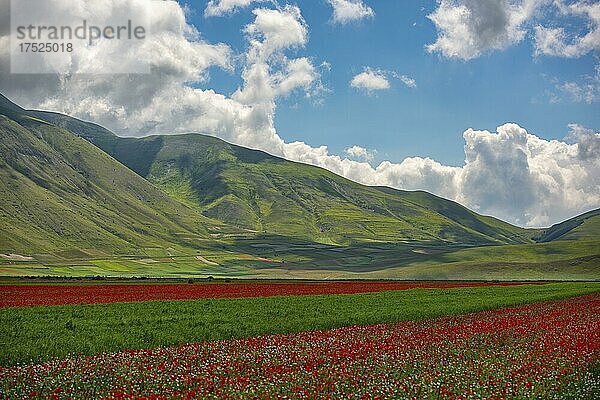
column 61, row 193
column 581, row 227
column 76, row 200
column 253, row 190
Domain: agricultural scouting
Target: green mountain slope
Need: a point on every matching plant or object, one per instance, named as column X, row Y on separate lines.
column 581, row 227
column 62, row 194
column 83, row 201
column 254, row 190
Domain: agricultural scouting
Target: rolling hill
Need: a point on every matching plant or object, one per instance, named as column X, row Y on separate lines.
column 253, row 190
column 78, row 200
column 61, row 194
column 582, row 227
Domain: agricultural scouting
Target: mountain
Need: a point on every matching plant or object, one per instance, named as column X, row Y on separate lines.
column 77, row 200
column 60, row 193
column 581, row 227
column 253, row 190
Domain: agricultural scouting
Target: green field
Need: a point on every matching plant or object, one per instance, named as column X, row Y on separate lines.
column 276, row 258
column 38, row 333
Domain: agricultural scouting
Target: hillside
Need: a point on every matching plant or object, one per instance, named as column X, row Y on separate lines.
column 254, row 190
column 581, row 227
column 62, row 195
column 76, row 200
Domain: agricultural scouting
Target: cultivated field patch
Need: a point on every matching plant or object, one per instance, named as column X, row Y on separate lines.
column 35, row 295
column 541, row 350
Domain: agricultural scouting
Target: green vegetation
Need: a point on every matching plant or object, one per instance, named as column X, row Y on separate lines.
column 39, row 333
column 76, row 200
column 65, row 197
column 560, row 260
column 276, row 258
column 582, row 227
column 254, row 190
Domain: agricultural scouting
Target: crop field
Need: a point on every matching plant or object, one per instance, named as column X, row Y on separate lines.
column 534, row 351
column 36, row 295
column 283, row 259
column 420, row 340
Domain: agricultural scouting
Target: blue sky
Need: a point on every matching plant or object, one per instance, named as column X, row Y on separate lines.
column 511, row 85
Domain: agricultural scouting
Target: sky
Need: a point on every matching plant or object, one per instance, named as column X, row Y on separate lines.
column 451, row 93
column 494, row 104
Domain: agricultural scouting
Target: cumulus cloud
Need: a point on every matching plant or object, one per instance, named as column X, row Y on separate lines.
column 554, row 41
column 128, row 103
column 174, row 97
column 216, row 8
column 511, row 174
column 272, row 32
column 370, row 80
column 345, row 11
column 468, row 28
column 588, row 141
column 360, row 153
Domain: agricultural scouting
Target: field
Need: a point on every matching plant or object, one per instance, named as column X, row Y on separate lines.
column 43, row 294
column 278, row 258
column 423, row 340
column 535, row 351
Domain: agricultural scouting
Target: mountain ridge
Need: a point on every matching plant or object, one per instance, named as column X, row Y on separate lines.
column 61, row 192
column 197, row 169
column 78, row 200
column 250, row 189
column 583, row 226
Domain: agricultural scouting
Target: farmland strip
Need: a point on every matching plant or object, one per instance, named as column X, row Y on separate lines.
column 40, row 295
column 38, row 333
column 535, row 351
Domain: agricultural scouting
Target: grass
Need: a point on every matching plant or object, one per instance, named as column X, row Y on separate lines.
column 253, row 190
column 65, row 194
column 263, row 257
column 38, row 333
column 78, row 212
column 582, row 227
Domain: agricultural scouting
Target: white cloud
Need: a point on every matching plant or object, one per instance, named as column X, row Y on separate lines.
column 345, row 11
column 165, row 101
column 360, row 153
column 588, row 141
column 511, row 174
column 217, row 8
column 276, row 30
column 585, row 91
column 408, row 81
column 370, row 80
column 555, row 42
column 469, row 28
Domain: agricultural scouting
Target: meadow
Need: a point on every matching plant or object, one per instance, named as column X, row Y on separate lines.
column 540, row 350
column 279, row 258
column 35, row 334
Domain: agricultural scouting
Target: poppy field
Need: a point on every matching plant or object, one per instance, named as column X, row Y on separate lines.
column 45, row 295
column 534, row 351
column 518, row 341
